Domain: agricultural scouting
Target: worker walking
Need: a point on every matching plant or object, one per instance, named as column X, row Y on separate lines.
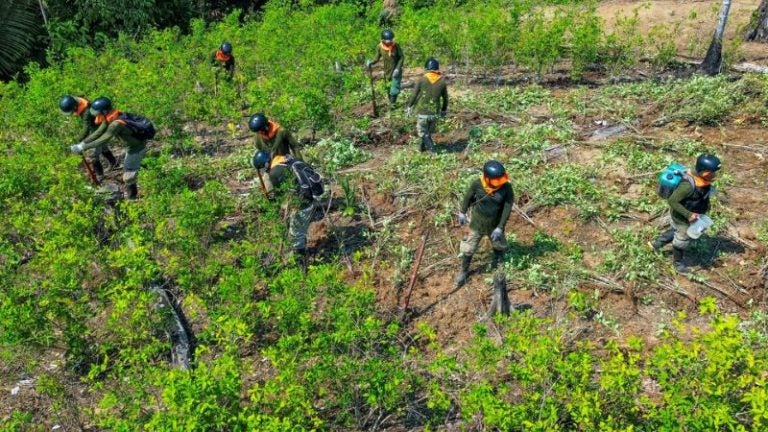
column 392, row 55
column 687, row 202
column 431, row 98
column 491, row 199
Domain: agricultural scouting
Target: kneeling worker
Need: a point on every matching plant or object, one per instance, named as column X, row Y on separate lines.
column 300, row 185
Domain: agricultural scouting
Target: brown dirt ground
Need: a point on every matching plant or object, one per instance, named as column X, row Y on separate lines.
column 697, row 20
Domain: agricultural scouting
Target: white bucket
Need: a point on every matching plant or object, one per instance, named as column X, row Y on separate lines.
column 697, row 228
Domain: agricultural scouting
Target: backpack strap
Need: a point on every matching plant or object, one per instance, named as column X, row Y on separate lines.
column 691, row 181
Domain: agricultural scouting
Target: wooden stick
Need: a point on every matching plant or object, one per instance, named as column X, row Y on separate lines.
column 263, row 186
column 373, row 95
column 414, row 274
column 89, row 170
column 523, row 214
column 723, row 292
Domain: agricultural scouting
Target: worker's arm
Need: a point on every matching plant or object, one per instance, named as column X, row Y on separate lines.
column 97, row 133
column 111, row 132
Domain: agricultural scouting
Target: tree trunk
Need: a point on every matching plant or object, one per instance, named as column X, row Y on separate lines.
column 714, row 59
column 757, row 30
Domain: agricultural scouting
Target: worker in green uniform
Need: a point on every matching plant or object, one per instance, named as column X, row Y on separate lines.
column 392, row 55
column 223, row 60
column 491, row 199
column 301, row 188
column 686, row 203
column 111, row 125
column 272, row 137
column 431, row 95
column 80, row 106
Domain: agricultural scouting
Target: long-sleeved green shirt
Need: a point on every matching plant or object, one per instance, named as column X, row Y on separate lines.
column 89, row 124
column 391, row 62
column 432, row 99
column 282, row 143
column 685, row 201
column 489, row 211
column 114, row 129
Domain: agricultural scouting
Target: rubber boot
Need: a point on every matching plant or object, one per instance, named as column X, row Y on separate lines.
column 498, row 257
column 132, row 192
column 110, row 158
column 678, row 257
column 662, row 240
column 98, row 169
column 301, row 259
column 461, row 279
column 423, row 145
column 428, row 143
column 392, row 99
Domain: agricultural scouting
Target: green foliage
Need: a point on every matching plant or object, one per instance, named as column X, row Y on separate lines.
column 586, row 35
column 566, row 184
column 335, row 153
column 632, row 259
column 540, row 44
column 703, row 100
column 278, row 349
column 18, row 28
column 624, row 45
column 18, row 421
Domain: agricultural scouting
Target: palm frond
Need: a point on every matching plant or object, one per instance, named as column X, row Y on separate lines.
column 19, row 22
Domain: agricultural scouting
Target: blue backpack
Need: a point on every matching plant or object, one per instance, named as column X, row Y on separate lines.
column 141, row 127
column 670, row 179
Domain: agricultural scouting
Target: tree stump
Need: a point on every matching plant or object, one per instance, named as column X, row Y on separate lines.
column 757, row 29
column 500, row 302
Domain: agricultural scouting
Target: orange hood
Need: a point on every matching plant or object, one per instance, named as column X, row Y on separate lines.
column 492, row 185
column 272, row 128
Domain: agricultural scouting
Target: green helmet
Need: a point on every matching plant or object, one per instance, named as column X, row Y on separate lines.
column 261, row 159
column 67, row 103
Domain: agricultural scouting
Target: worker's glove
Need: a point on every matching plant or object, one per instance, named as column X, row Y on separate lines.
column 368, row 64
column 77, row 148
column 496, row 234
column 443, row 113
column 396, row 74
column 409, row 111
column 462, row 218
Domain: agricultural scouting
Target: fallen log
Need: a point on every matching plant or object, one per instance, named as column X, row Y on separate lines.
column 180, row 334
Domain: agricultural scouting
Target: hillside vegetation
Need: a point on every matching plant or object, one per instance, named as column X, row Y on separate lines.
column 614, row 339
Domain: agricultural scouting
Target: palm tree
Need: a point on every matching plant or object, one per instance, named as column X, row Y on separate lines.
column 18, row 26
